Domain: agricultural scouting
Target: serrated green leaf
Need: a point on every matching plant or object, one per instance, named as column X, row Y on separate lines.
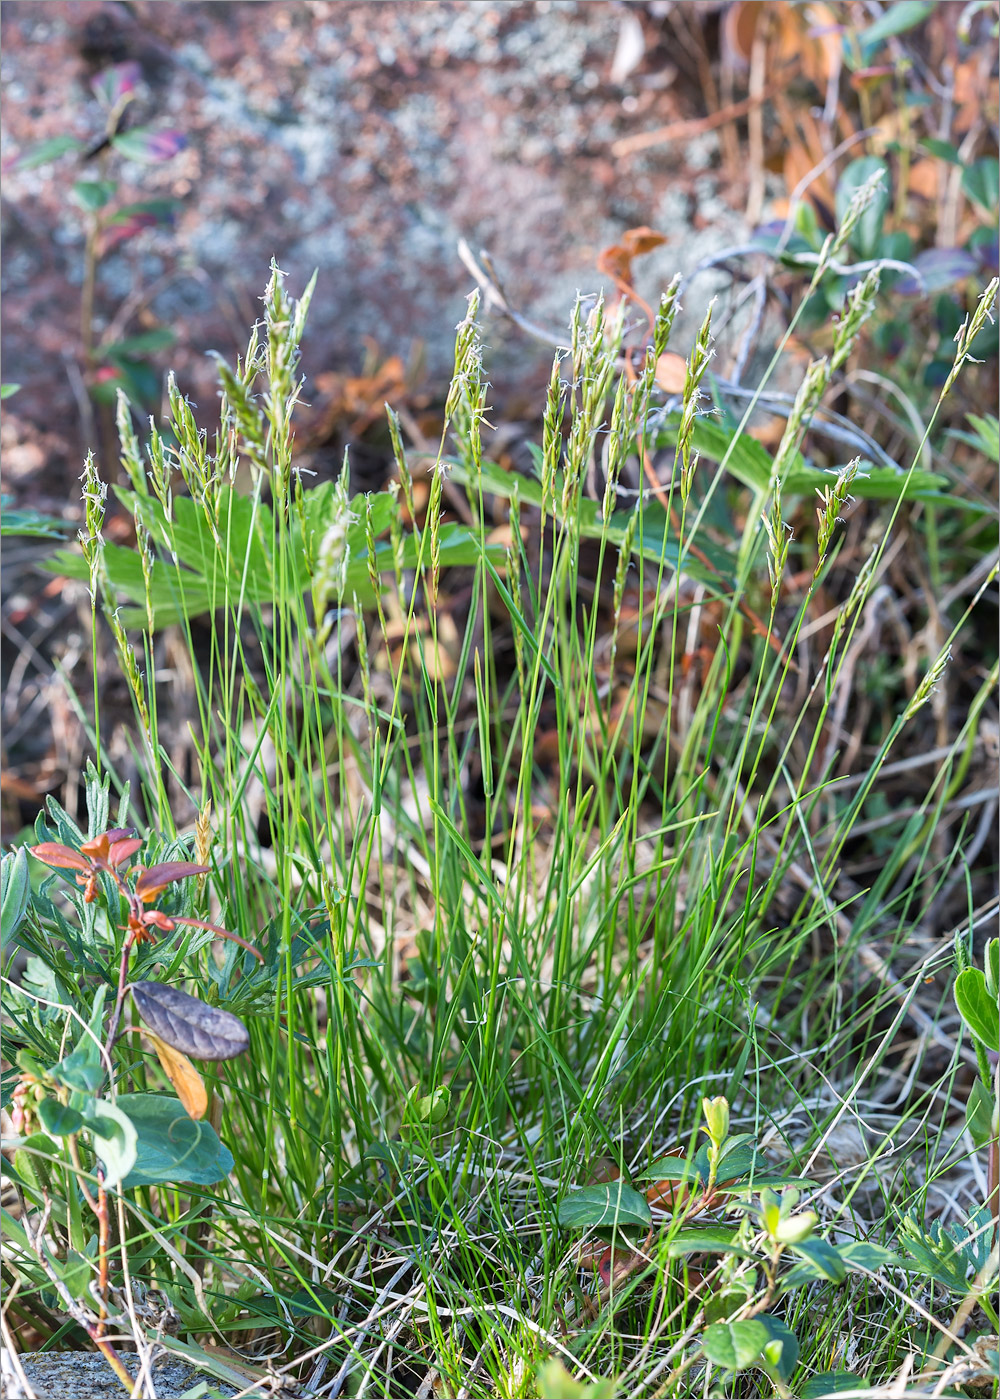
column 611, row 1204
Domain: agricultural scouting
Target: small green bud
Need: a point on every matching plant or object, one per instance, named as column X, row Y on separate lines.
column 716, row 1113
column 796, row 1228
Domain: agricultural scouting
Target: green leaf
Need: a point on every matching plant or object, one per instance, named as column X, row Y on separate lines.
column 896, row 19
column 171, row 1146
column 144, row 344
column 47, row 151
column 92, row 195
column 712, row 1239
column 979, row 1113
column 862, row 1254
column 30, row 523
column 868, row 230
column 981, row 182
column 992, row 959
column 823, row 1259
column 115, row 1139
column 735, row 1346
column 781, row 1333
column 15, row 891
column 59, row 1119
column 80, row 1072
column 830, row 1382
column 611, row 1204
column 978, row 1009
column 8, row 391
column 944, row 150
column 189, row 1024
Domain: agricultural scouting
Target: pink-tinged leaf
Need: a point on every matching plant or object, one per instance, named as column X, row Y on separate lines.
column 118, row 833
column 111, row 85
column 121, row 850
column 52, row 853
column 121, row 233
column 223, row 933
column 145, row 144
column 188, row 1024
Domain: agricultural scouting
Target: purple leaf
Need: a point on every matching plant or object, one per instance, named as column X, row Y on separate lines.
column 189, row 1025
column 939, row 268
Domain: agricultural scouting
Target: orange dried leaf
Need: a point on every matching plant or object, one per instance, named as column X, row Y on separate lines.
column 182, row 1074
column 636, row 241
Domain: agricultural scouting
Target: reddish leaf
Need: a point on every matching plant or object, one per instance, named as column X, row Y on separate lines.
column 121, row 850
column 99, row 847
column 52, row 853
column 223, row 933
column 154, row 881
column 189, row 1025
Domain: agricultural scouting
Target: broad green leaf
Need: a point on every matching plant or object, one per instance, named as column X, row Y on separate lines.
column 981, row 182
column 171, row 1146
column 979, row 1011
column 610, row 1204
column 979, row 1113
column 145, row 344
column 831, row 1383
column 115, row 1138
column 92, row 195
column 735, row 1346
column 822, row 1258
column 781, row 1333
column 711, row 1239
column 868, row 229
column 944, row 150
column 59, row 1119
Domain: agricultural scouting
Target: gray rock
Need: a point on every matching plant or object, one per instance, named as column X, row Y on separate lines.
column 85, row 1375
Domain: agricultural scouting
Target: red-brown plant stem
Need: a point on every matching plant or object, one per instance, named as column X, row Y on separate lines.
column 103, row 1234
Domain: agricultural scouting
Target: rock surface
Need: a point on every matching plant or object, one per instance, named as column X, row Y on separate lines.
column 364, row 140
column 85, row 1375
